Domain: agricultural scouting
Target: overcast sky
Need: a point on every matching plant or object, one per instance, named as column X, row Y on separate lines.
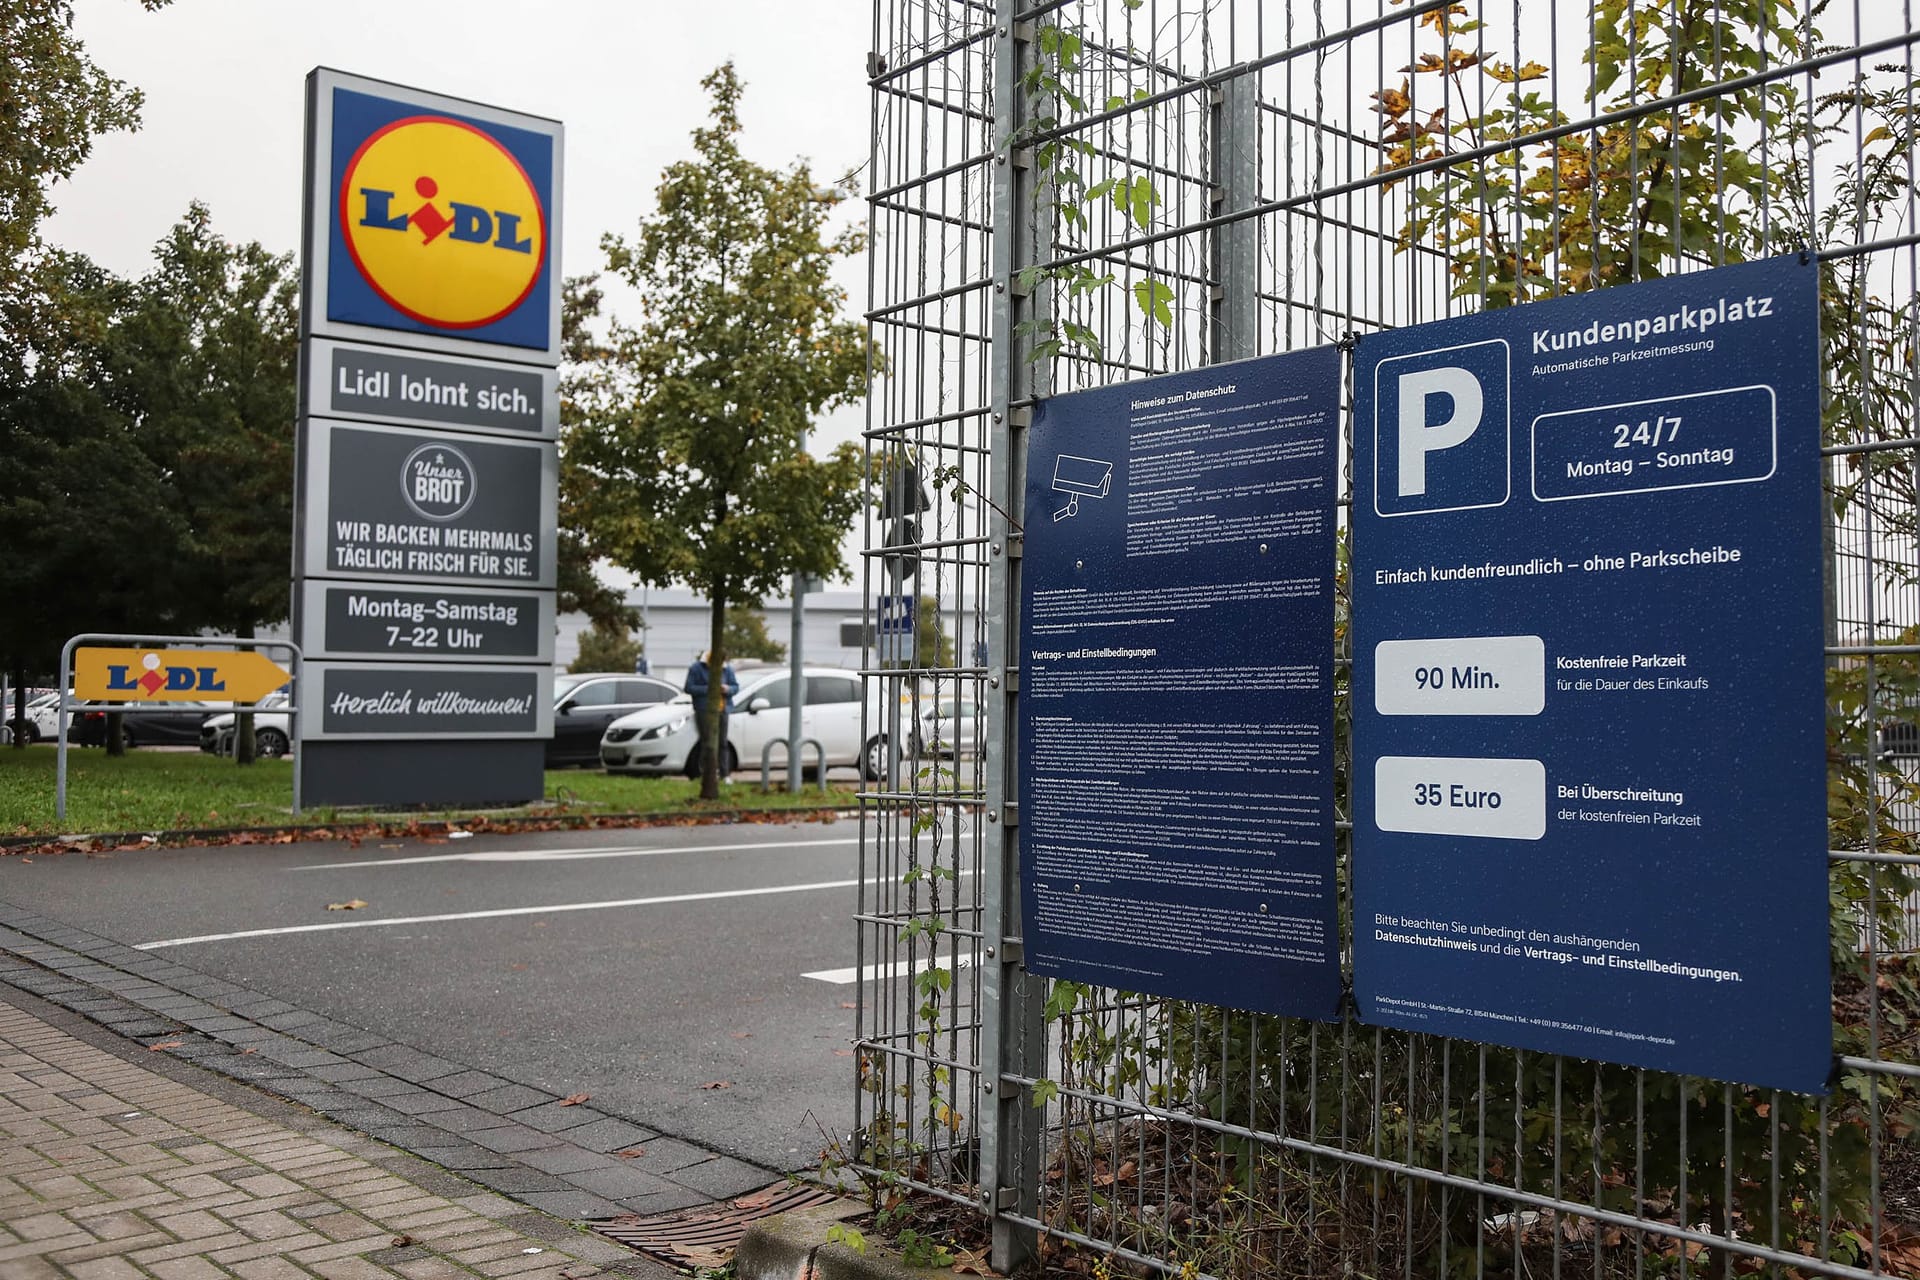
column 224, row 83
column 224, row 78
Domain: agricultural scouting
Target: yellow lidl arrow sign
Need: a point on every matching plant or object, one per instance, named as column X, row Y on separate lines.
column 175, row 675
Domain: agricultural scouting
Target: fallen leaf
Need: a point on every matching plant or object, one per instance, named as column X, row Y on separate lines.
column 353, row 904
column 971, row 1262
column 848, row 1004
column 403, row 1241
column 574, row 1099
column 166, row 1044
column 718, row 1084
column 743, row 1035
column 245, row 1052
column 631, row 1153
column 710, row 1259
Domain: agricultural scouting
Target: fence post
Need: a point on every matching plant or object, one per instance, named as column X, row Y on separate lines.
column 1013, row 1033
column 1234, row 162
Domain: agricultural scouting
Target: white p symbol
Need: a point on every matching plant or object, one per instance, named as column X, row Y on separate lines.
column 1417, row 439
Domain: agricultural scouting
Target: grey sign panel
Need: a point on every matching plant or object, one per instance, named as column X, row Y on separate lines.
column 425, row 700
column 375, row 620
column 426, row 506
column 381, row 384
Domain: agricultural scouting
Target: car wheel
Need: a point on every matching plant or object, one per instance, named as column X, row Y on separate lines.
column 873, row 760
column 270, row 744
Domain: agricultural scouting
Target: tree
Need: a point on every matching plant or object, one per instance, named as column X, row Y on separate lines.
column 203, row 362
column 148, row 429
column 607, row 646
column 53, row 103
column 747, row 637
column 688, row 456
column 85, row 512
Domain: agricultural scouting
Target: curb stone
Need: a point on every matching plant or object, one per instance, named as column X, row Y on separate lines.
column 318, row 831
column 792, row 1246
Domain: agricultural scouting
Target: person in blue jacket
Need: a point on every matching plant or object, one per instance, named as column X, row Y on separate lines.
column 697, row 685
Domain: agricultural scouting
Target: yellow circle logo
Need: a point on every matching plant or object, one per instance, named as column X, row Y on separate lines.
column 442, row 222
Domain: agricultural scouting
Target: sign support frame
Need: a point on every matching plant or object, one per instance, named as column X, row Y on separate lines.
column 68, row 702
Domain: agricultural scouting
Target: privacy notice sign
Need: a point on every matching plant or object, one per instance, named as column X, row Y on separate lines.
column 1176, row 734
column 1589, row 726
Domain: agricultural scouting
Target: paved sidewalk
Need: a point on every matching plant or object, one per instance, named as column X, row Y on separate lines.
column 115, row 1162
column 547, row 1152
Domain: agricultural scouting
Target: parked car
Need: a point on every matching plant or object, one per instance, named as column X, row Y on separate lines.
column 584, row 705
column 950, row 727
column 661, row 740
column 43, row 719
column 161, row 724
column 272, row 729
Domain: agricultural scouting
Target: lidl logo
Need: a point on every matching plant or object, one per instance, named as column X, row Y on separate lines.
column 174, row 675
column 440, row 223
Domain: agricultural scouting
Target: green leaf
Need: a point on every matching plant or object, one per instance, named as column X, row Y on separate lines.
column 1141, row 198
column 1153, row 299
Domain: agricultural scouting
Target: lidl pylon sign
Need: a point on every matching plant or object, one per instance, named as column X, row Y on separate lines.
column 433, row 217
column 428, row 446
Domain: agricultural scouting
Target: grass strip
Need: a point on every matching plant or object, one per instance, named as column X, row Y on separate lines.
column 156, row 791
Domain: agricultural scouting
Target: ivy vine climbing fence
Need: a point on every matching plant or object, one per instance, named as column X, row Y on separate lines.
column 1072, row 193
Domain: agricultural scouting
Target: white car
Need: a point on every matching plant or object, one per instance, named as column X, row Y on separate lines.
column 950, row 727
column 661, row 740
column 272, row 730
column 43, row 718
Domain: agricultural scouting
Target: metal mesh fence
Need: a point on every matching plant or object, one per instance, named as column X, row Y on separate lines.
column 1070, row 194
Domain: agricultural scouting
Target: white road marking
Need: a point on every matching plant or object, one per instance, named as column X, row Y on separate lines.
column 496, row 914
column 873, row 973
column 562, row 855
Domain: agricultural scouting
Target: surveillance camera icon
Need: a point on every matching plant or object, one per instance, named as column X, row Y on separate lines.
column 1082, row 478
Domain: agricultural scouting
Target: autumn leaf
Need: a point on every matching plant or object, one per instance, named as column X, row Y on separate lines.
column 165, row 1044
column 972, row 1262
column 574, row 1099
column 631, row 1153
column 1505, row 73
column 1394, row 103
column 718, row 1084
column 352, row 904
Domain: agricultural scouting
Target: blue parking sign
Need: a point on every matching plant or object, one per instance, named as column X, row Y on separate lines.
column 1589, row 767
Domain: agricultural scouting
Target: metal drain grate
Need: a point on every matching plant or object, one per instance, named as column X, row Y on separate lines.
column 707, row 1236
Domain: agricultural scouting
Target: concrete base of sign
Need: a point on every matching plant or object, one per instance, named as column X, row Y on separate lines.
column 418, row 772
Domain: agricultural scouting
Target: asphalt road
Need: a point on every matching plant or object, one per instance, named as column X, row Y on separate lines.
column 639, row 967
